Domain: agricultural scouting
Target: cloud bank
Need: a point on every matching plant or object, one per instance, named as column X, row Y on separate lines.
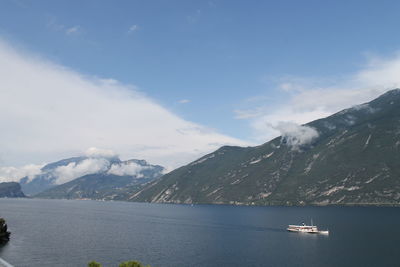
column 74, row 170
column 13, row 174
column 95, row 161
column 49, row 112
column 308, row 99
column 127, row 168
column 94, row 152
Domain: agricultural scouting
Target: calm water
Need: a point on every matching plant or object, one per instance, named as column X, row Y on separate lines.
column 71, row 233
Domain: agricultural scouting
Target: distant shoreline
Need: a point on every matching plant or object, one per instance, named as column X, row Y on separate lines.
column 396, row 205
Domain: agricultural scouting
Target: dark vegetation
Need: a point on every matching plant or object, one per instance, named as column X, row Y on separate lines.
column 124, row 264
column 4, row 233
column 11, row 189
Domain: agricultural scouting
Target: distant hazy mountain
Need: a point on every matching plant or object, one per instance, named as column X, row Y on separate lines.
column 89, row 174
column 106, row 185
column 47, row 178
column 11, row 189
column 351, row 157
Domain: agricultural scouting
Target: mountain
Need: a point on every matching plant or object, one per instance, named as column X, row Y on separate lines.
column 11, row 189
column 349, row 158
column 109, row 172
column 106, row 185
column 47, row 177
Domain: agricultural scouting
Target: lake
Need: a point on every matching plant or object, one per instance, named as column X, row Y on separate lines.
column 72, row 233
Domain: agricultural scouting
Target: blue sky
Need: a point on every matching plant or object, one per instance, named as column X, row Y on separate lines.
column 230, row 66
column 213, row 53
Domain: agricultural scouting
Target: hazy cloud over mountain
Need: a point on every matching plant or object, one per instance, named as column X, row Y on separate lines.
column 14, row 174
column 127, row 168
column 296, row 135
column 92, row 161
column 74, row 170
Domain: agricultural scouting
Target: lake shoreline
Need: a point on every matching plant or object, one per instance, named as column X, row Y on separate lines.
column 395, row 205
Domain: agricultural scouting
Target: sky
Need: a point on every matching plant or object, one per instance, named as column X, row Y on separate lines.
column 169, row 81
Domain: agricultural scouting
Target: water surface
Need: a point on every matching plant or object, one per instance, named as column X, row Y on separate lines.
column 72, row 233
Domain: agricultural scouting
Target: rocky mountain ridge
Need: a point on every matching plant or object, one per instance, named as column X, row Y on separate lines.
column 100, row 171
column 349, row 158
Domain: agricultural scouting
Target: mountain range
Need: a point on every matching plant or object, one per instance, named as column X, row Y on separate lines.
column 94, row 177
column 349, row 158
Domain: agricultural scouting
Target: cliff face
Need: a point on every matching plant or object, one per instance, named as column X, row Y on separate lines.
column 11, row 189
column 352, row 158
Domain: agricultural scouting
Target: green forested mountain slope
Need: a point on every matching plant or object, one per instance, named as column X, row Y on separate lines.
column 351, row 157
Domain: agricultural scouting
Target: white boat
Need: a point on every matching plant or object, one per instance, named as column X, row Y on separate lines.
column 311, row 229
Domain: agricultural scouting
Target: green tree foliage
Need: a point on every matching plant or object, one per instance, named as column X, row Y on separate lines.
column 132, row 264
column 124, row 264
column 94, row 264
column 3, row 225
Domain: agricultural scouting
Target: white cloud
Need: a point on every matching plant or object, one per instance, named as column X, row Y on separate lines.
column 296, row 135
column 49, row 112
column 184, row 101
column 54, row 25
column 133, row 28
column 98, row 152
column 12, row 174
column 98, row 161
column 314, row 98
column 74, row 170
column 73, row 30
column 128, row 168
column 264, row 125
column 380, row 72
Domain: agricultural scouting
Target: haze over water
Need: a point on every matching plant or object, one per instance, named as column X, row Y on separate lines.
column 72, row 233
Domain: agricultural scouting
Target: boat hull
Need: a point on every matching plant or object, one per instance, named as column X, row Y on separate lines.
column 303, row 231
column 306, row 229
